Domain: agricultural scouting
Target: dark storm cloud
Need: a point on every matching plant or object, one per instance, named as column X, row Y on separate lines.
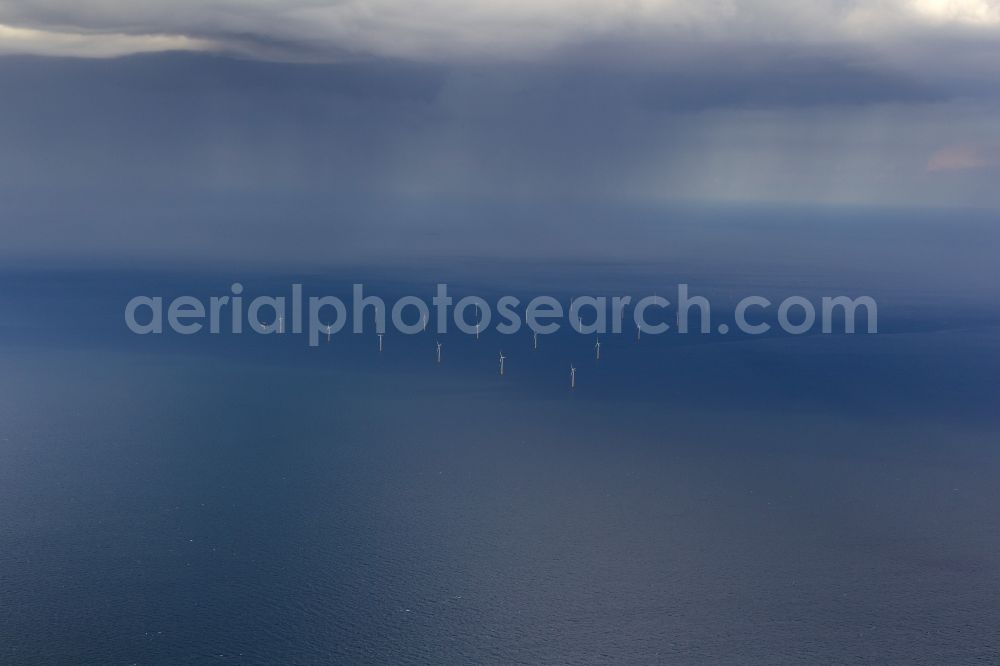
column 695, row 78
column 202, row 74
column 772, row 79
column 176, row 128
column 192, row 120
column 396, row 123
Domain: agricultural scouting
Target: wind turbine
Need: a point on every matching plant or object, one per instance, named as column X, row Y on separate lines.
column 439, row 351
column 281, row 324
column 572, row 376
column 598, row 348
column 423, row 318
column 502, row 357
column 380, row 341
column 535, row 335
column 329, row 331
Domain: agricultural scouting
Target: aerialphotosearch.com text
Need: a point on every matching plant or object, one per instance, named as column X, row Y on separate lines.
column 319, row 316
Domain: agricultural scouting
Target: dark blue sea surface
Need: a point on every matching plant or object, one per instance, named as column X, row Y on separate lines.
column 696, row 499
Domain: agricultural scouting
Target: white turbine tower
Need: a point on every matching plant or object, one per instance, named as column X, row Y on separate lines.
column 329, row 332
column 281, row 324
column 439, row 351
column 380, row 341
column 502, row 357
column 572, row 376
column 598, row 348
column 423, row 318
column 535, row 335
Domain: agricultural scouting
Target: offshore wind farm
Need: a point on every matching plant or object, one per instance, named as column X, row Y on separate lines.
column 413, row 473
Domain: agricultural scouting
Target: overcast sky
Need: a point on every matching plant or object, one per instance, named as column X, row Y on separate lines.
column 827, row 102
column 434, row 29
